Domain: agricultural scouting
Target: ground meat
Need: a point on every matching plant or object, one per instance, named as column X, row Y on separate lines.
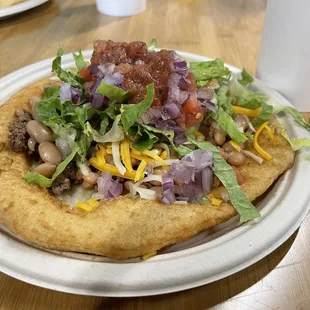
column 17, row 132
column 65, row 180
column 139, row 67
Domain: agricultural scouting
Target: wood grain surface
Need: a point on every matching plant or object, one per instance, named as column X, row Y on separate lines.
column 229, row 29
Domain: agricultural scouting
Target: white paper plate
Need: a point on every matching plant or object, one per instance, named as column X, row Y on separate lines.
column 205, row 258
column 20, row 7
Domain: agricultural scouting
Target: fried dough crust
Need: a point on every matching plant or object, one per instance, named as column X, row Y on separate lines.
column 119, row 228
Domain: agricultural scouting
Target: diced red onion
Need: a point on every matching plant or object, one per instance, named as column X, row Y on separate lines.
column 97, row 101
column 252, row 155
column 106, row 69
column 205, row 93
column 68, row 92
column 180, row 66
column 93, row 69
column 170, row 111
column 209, row 105
column 65, row 92
column 179, row 138
column 108, row 187
column 167, row 187
column 206, row 180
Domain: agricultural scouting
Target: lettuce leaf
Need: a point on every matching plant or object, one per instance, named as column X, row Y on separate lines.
column 113, row 135
column 295, row 143
column 113, row 93
column 79, row 60
column 295, row 114
column 226, row 122
column 246, row 78
column 264, row 116
column 169, row 134
column 246, row 98
column 36, row 178
column 146, row 139
column 131, row 112
column 223, row 100
column 67, row 76
column 227, row 176
column 113, row 110
column 52, row 91
column 207, row 70
column 153, row 44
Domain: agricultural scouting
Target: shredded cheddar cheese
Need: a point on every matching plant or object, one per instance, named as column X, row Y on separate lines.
column 141, row 157
column 235, row 146
column 149, row 255
column 112, row 169
column 163, row 155
column 125, row 154
column 140, row 171
column 199, row 135
column 89, row 206
column 257, row 147
column 244, row 111
column 152, row 155
column 271, row 134
column 214, row 201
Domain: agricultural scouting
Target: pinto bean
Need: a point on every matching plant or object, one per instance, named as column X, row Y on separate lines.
column 45, row 169
column 50, row 153
column 235, row 158
column 219, row 136
column 87, row 185
column 91, row 178
column 38, row 131
column 31, row 144
column 240, row 177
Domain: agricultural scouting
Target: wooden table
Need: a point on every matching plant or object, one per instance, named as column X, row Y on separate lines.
column 227, row 29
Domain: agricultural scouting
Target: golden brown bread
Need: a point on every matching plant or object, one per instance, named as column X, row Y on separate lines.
column 119, row 228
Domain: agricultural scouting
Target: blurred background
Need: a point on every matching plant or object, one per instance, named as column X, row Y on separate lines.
column 227, row 29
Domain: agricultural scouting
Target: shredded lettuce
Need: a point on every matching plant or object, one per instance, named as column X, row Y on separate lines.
column 113, row 110
column 295, row 143
column 207, row 70
column 226, row 122
column 36, row 178
column 113, row 93
column 292, row 111
column 223, row 100
column 227, row 176
column 79, row 60
column 264, row 116
column 67, row 76
column 146, row 139
column 246, row 98
column 152, row 45
column 131, row 112
column 52, row 91
column 113, row 135
column 246, row 78
column 169, row 134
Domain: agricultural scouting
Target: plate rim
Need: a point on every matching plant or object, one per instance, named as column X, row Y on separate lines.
column 38, row 71
column 20, row 7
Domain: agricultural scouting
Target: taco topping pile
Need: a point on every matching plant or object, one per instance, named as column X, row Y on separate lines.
column 148, row 124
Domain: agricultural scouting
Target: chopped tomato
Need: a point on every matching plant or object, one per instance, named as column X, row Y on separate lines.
column 83, row 73
column 192, row 112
